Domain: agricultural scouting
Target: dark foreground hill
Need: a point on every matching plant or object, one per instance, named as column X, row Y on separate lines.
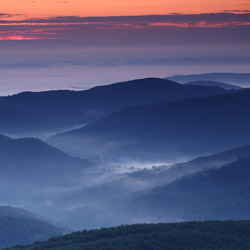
column 166, row 130
column 18, row 226
column 210, row 235
column 54, row 111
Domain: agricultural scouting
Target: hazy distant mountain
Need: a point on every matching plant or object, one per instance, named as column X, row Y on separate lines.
column 227, row 235
column 232, row 78
column 55, row 111
column 219, row 193
column 32, row 160
column 16, row 212
column 222, row 85
column 166, row 131
column 103, row 205
column 18, row 226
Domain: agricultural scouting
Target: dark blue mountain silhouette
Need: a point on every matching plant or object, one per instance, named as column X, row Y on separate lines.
column 166, row 130
column 59, row 110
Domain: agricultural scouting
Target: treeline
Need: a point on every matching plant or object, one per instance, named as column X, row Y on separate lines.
column 210, row 235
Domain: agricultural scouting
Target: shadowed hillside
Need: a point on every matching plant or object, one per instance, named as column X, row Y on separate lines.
column 104, row 204
column 216, row 193
column 32, row 160
column 166, row 130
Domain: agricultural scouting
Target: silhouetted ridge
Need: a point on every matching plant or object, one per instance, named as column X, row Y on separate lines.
column 186, row 127
column 50, row 111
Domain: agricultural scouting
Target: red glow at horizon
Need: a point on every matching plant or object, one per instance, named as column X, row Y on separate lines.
column 18, row 38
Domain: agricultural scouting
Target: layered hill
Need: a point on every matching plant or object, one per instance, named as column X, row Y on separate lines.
column 104, row 204
column 166, row 131
column 19, row 226
column 222, row 85
column 228, row 235
column 161, row 175
column 32, row 160
column 54, row 111
column 216, row 193
column 241, row 79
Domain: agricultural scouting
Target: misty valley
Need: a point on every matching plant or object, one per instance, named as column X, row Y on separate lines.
column 133, row 153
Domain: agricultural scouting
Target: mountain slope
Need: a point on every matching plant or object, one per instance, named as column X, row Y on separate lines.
column 54, row 111
column 166, row 131
column 103, row 205
column 32, row 160
column 166, row 174
column 228, row 235
column 18, row 226
column 222, row 85
column 220, row 193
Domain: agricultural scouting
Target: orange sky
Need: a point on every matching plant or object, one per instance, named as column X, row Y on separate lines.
column 45, row 8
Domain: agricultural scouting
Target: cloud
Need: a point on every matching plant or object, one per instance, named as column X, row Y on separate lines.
column 3, row 15
column 18, row 37
column 128, row 29
column 237, row 11
column 10, row 15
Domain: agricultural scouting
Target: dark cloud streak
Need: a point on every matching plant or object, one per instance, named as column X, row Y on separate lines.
column 175, row 17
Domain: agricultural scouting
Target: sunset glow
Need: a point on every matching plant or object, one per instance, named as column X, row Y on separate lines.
column 65, row 37
column 47, row 8
column 101, row 28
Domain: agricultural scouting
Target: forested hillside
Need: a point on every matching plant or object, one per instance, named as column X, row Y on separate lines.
column 211, row 235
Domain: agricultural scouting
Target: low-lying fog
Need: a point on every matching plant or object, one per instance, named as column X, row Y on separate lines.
column 100, row 199
column 86, row 204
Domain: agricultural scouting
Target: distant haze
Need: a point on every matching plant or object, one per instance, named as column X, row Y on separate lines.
column 68, row 67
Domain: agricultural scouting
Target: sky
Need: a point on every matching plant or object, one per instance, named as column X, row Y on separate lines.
column 76, row 44
column 50, row 8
